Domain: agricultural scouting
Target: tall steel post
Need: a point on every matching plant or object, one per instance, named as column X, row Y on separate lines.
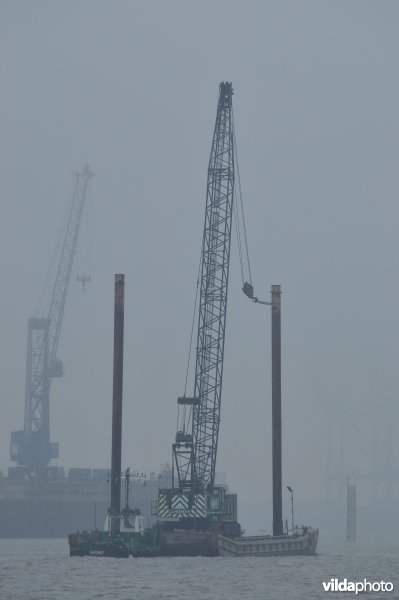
column 276, row 412
column 117, row 403
column 350, row 511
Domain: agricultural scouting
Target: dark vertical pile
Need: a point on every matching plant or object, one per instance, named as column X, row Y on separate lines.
column 351, row 512
column 117, row 403
column 276, row 412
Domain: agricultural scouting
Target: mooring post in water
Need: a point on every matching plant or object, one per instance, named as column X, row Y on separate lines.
column 350, row 511
column 117, row 403
column 276, row 412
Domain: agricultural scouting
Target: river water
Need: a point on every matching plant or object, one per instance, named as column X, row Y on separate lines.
column 43, row 570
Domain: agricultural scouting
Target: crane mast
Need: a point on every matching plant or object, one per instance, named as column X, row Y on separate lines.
column 195, row 447
column 32, row 447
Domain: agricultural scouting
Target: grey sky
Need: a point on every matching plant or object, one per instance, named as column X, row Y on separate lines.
column 132, row 88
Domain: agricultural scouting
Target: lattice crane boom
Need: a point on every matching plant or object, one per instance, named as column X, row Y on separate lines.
column 213, row 293
column 195, row 447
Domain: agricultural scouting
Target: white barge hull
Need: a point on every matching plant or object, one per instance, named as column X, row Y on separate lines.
column 302, row 543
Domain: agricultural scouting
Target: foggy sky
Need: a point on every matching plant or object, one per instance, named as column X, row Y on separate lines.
column 131, row 87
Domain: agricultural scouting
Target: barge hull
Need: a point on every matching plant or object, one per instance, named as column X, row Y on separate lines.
column 300, row 544
column 182, row 542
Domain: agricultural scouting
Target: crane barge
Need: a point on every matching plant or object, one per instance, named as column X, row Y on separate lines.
column 196, row 516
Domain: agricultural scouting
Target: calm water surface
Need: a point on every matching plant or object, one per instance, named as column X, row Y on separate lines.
column 43, row 570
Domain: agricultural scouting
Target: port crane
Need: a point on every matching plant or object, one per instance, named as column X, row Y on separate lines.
column 194, row 494
column 31, row 447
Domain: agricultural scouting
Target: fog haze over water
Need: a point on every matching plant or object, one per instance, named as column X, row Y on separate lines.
column 131, row 88
column 44, row 573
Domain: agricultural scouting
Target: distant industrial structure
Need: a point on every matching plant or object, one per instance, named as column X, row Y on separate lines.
column 365, row 443
column 31, row 447
column 350, row 511
column 68, row 500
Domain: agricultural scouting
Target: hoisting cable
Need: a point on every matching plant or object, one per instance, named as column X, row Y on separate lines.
column 241, row 204
column 239, row 216
column 183, row 420
column 247, row 286
column 237, row 224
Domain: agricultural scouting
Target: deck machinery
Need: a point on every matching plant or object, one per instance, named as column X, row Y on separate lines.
column 194, row 495
column 31, row 447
